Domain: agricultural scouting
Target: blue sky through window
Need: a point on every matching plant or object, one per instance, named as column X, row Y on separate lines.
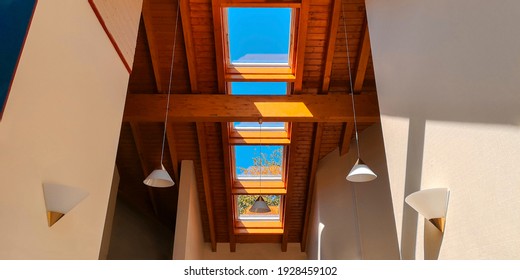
column 258, row 88
column 259, row 35
column 245, row 163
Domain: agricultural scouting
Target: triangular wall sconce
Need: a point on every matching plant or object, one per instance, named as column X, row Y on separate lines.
column 59, row 200
column 432, row 204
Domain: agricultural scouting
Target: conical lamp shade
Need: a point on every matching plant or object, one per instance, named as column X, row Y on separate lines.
column 260, row 206
column 361, row 173
column 159, row 178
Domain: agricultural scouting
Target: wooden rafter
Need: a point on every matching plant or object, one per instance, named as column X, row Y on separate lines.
column 310, row 191
column 331, row 44
column 201, row 135
column 229, row 108
column 188, row 42
column 344, row 144
column 170, row 136
column 362, row 59
column 287, row 205
column 301, row 43
column 152, row 43
column 219, row 44
column 146, row 170
column 229, row 181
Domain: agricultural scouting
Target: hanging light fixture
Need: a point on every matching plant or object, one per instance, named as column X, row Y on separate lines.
column 260, row 206
column 360, row 172
column 160, row 178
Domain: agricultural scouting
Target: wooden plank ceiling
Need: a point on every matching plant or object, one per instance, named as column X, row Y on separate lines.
column 322, row 70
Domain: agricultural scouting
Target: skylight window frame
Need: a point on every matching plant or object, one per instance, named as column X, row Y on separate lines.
column 252, row 136
column 261, row 71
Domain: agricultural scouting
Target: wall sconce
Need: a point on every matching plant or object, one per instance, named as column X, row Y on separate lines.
column 432, row 204
column 59, row 200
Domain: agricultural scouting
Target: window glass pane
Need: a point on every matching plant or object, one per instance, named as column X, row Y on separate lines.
column 259, row 35
column 259, row 88
column 245, row 202
column 257, row 162
column 256, row 126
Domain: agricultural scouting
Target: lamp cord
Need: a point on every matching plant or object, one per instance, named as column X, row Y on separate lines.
column 170, row 82
column 350, row 79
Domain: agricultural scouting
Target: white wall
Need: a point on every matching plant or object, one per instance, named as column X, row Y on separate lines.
column 353, row 220
column 61, row 124
column 447, row 79
column 254, row 251
column 189, row 236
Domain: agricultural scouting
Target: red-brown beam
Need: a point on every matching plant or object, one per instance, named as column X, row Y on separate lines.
column 312, row 178
column 188, row 42
column 287, row 205
column 152, row 43
column 362, row 60
column 201, row 135
column 331, row 44
column 300, row 47
column 344, row 145
column 228, row 180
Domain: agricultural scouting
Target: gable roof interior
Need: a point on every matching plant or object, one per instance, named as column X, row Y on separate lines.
column 196, row 71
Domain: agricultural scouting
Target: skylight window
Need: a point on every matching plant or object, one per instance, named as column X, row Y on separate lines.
column 259, row 36
column 244, row 203
column 258, row 88
column 259, row 163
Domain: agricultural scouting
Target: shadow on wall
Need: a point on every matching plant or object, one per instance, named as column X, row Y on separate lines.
column 138, row 237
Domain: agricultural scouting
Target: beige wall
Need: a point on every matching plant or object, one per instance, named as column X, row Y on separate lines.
column 189, row 237
column 447, row 78
column 61, row 124
column 353, row 220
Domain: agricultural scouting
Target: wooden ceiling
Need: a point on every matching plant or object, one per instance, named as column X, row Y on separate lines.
column 197, row 124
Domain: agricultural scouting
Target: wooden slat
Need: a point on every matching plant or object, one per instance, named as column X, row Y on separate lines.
column 236, row 108
column 201, row 135
column 362, row 60
column 152, row 43
column 344, row 145
column 331, row 44
column 146, row 170
column 188, row 42
column 219, row 44
column 300, row 48
column 229, row 181
column 287, row 205
column 310, row 193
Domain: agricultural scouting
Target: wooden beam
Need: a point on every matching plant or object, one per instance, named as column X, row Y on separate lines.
column 344, row 145
column 262, row 3
column 236, row 108
column 287, row 205
column 188, row 42
column 146, row 170
column 362, row 59
column 170, row 137
column 201, row 135
column 312, row 178
column 152, row 43
column 301, row 43
column 331, row 44
column 219, row 44
column 229, row 181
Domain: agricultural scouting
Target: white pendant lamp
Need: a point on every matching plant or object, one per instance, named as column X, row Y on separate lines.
column 260, row 206
column 159, row 178
column 360, row 172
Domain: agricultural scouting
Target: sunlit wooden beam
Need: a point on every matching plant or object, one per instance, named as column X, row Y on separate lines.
column 362, row 59
column 201, row 135
column 233, row 108
column 331, row 44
